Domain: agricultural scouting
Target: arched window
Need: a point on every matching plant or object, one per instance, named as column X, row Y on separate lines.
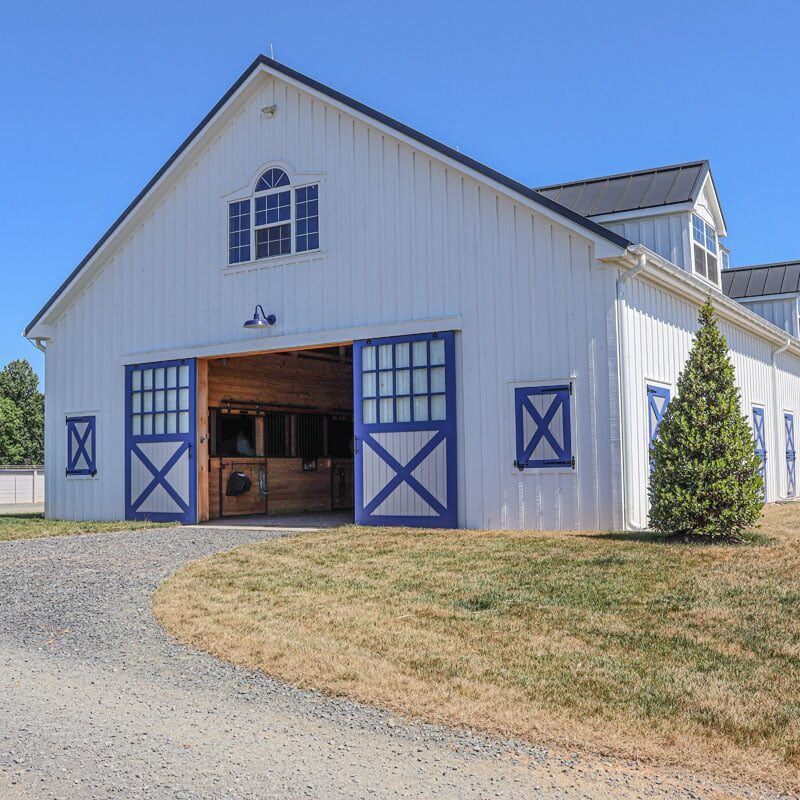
column 285, row 220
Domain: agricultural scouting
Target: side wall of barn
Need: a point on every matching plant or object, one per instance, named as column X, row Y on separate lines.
column 660, row 327
column 404, row 236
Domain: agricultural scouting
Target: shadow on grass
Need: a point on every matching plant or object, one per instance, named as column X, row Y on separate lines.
column 747, row 539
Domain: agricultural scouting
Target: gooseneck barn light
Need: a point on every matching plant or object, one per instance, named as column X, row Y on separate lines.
column 260, row 319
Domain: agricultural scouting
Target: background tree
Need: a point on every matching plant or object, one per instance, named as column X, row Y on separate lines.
column 19, row 385
column 705, row 480
column 12, row 447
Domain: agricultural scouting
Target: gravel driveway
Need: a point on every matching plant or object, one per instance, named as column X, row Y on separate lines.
column 97, row 701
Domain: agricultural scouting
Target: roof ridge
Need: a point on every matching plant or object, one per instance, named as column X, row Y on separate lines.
column 763, row 266
column 630, row 174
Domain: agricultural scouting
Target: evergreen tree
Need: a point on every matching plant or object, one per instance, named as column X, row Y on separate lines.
column 20, row 385
column 705, row 481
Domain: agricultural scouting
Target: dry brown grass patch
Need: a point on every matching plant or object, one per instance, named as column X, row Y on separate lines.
column 613, row 643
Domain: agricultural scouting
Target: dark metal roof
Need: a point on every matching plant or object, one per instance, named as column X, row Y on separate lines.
column 443, row 149
column 631, row 191
column 762, row 279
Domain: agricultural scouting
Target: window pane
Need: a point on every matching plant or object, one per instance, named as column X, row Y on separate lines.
column 420, row 354
column 172, row 422
column 368, row 384
column 402, row 382
column 172, row 377
column 136, row 379
column 699, row 260
column 385, row 383
column 147, row 424
column 368, row 357
column 401, row 354
column 147, row 378
column 136, row 402
column 437, row 379
column 421, row 409
column 183, row 399
column 239, row 232
column 385, row 356
column 420, row 381
column 136, row 425
column 438, row 406
column 698, row 229
column 274, row 241
column 387, row 410
column 172, row 399
column 272, row 179
column 158, row 376
column 147, row 401
column 403, row 409
column 183, row 374
column 307, row 218
column 159, row 424
column 368, row 411
column 725, row 258
column 712, row 268
column 159, row 401
column 183, row 422
column 711, row 239
column 437, row 351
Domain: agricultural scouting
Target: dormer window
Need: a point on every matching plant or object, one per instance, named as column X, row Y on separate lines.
column 284, row 220
column 705, row 250
column 724, row 259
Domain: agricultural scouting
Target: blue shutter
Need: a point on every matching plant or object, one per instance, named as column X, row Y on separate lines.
column 657, row 401
column 760, row 439
column 543, row 426
column 791, row 479
column 81, row 446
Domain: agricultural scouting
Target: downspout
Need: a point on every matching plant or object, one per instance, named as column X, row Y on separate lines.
column 777, row 435
column 622, row 380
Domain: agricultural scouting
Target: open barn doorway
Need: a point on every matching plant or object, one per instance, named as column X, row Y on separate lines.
column 275, row 438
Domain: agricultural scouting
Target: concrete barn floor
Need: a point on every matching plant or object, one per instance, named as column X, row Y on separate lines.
column 97, row 701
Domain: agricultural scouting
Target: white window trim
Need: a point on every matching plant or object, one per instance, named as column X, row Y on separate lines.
column 297, row 180
column 695, row 243
column 511, row 428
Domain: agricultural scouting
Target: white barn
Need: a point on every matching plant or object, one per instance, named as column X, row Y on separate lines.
column 433, row 343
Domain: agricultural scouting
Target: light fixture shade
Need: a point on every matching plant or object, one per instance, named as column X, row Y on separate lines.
column 260, row 319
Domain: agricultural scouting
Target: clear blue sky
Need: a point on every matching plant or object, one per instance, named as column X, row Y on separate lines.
column 95, row 97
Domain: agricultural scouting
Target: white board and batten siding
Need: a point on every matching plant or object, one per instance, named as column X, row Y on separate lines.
column 669, row 235
column 404, row 236
column 781, row 312
column 661, row 327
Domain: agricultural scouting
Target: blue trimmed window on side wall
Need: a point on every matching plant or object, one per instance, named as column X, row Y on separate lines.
column 239, row 232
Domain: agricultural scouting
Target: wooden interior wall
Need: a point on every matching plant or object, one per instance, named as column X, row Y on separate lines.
column 319, row 385
column 326, row 386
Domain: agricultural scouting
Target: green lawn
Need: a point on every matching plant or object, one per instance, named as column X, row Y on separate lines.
column 35, row 526
column 616, row 643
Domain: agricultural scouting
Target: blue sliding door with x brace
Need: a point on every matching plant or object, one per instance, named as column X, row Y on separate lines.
column 405, row 431
column 160, row 474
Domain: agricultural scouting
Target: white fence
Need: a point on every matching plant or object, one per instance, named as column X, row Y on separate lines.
column 21, row 485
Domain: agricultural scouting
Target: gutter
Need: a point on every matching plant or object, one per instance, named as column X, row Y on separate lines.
column 623, row 385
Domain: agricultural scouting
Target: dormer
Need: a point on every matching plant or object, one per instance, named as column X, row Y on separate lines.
column 674, row 211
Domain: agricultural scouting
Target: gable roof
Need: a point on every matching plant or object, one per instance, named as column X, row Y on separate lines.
column 631, row 191
column 281, row 69
column 762, row 279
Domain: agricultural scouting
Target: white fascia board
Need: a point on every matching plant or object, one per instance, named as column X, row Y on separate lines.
column 134, row 216
column 644, row 213
column 40, row 331
column 274, row 341
column 666, row 275
column 437, row 155
column 716, row 208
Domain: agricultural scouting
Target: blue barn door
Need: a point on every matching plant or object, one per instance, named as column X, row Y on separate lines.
column 791, row 475
column 657, row 402
column 160, row 473
column 405, row 431
column 760, row 442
